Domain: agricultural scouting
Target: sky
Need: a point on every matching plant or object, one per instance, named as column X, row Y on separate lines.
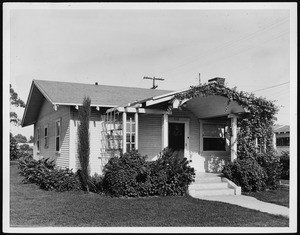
column 248, row 45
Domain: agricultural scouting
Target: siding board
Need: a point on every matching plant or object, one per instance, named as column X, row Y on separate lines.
column 150, row 136
column 95, row 129
column 48, row 116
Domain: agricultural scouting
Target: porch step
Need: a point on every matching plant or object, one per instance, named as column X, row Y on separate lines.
column 215, row 191
column 208, row 184
column 214, row 185
column 199, row 180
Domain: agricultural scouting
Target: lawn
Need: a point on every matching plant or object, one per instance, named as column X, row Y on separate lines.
column 31, row 206
column 279, row 196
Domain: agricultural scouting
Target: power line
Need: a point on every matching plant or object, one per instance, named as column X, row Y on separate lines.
column 271, row 87
column 239, row 51
column 232, row 43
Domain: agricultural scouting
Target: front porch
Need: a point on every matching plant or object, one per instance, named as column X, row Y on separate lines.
column 203, row 128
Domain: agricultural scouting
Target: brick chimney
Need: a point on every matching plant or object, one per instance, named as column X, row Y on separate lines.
column 219, row 80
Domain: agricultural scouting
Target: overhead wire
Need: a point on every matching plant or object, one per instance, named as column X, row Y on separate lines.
column 271, row 87
column 234, row 43
column 239, row 51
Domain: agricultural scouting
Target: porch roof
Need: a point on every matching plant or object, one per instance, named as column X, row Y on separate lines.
column 203, row 106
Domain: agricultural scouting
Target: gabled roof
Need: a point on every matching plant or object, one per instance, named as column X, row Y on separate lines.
column 67, row 93
column 101, row 95
column 281, row 129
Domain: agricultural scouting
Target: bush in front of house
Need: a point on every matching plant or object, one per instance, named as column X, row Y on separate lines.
column 170, row 174
column 216, row 164
column 270, row 162
column 246, row 173
column 43, row 173
column 95, row 183
column 131, row 175
column 123, row 174
column 285, row 163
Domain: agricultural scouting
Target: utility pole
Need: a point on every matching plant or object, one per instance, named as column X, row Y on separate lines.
column 199, row 79
column 153, row 79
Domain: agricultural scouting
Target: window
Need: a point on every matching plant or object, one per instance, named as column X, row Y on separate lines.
column 130, row 132
column 57, row 135
column 214, row 137
column 46, row 136
column 38, row 140
column 283, row 141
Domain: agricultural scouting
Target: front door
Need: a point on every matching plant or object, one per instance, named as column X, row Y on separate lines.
column 176, row 136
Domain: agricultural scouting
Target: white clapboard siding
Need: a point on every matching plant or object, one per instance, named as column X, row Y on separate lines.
column 47, row 117
column 150, row 135
column 150, row 132
column 95, row 130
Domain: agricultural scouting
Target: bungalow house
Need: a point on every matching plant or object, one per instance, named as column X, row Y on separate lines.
column 282, row 135
column 125, row 118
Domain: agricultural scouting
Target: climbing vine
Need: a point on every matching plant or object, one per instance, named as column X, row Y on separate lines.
column 256, row 123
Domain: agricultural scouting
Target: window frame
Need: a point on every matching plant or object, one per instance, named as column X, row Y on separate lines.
column 225, row 125
column 131, row 131
column 281, row 141
column 46, row 137
column 57, row 135
column 38, row 140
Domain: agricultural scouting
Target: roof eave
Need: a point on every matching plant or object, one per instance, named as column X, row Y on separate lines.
column 26, row 106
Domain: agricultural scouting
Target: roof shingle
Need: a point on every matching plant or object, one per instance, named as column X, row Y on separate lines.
column 73, row 93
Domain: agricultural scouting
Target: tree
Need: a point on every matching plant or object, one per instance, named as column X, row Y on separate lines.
column 26, row 150
column 14, row 150
column 20, row 138
column 15, row 101
column 83, row 149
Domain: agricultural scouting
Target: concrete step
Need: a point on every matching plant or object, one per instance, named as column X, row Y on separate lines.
column 198, row 186
column 207, row 177
column 214, row 191
column 208, row 180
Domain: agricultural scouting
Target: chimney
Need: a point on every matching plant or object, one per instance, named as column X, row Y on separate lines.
column 218, row 80
column 96, row 83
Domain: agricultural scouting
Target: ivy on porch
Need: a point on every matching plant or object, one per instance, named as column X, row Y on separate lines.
column 254, row 125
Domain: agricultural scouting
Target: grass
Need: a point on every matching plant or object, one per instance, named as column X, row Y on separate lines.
column 31, row 206
column 279, row 196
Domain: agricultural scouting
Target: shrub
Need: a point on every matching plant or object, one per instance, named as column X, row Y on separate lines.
column 285, row 163
column 130, row 175
column 122, row 174
column 215, row 164
column 95, row 183
column 43, row 173
column 270, row 162
column 60, row 180
column 246, row 173
column 83, row 143
column 170, row 174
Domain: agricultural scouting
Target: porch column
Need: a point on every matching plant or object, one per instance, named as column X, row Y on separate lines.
column 124, row 131
column 233, row 136
column 136, row 117
column 274, row 141
column 165, row 131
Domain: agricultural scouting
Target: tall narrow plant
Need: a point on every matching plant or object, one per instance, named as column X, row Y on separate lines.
column 83, row 149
